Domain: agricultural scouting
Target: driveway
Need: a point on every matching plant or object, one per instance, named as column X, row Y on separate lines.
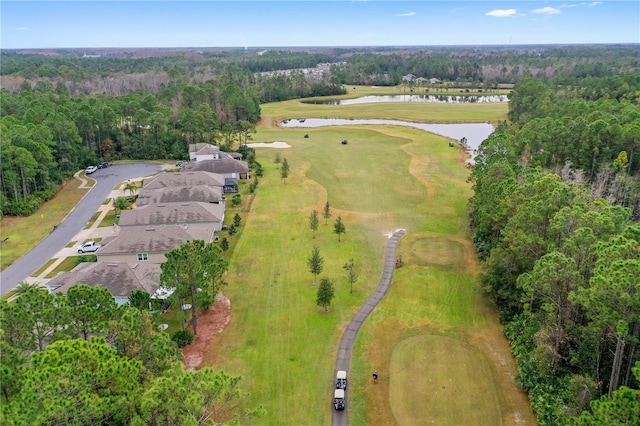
column 106, row 179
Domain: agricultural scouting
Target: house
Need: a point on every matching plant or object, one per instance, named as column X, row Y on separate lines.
column 149, row 244
column 120, row 278
column 234, row 155
column 434, row 80
column 184, row 179
column 226, row 166
column 180, row 194
column 193, row 214
column 408, row 77
column 203, row 151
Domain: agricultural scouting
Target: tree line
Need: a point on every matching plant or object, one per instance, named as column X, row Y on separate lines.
column 372, row 65
column 47, row 135
column 554, row 217
column 79, row 359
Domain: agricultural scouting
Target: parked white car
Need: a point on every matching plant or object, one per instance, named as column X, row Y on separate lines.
column 90, row 170
column 88, row 247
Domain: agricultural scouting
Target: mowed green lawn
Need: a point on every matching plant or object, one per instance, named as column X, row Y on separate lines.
column 436, row 380
column 411, row 111
column 284, row 346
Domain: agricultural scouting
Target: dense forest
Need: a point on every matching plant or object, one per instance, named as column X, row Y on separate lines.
column 79, row 359
column 556, row 221
column 118, row 72
column 47, row 135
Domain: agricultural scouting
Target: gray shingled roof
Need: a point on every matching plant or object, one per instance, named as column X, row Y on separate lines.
column 119, row 278
column 203, row 148
column 173, row 214
column 206, row 194
column 139, row 239
column 221, row 166
column 184, row 178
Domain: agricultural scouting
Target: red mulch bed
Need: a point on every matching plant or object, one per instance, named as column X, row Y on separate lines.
column 210, row 324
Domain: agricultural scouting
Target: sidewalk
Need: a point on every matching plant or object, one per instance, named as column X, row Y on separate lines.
column 92, row 233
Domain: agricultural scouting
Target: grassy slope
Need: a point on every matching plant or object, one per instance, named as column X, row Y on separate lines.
column 24, row 233
column 388, row 177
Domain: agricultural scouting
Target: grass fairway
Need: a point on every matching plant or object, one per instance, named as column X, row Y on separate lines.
column 411, row 111
column 437, row 380
column 387, row 177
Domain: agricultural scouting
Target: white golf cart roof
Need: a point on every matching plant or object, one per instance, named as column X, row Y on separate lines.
column 338, row 394
column 341, row 374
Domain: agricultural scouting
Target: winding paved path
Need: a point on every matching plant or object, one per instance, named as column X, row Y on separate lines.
column 343, row 360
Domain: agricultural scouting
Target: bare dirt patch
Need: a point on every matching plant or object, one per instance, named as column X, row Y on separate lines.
column 210, row 324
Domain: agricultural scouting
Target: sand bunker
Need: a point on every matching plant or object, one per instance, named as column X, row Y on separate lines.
column 269, row 145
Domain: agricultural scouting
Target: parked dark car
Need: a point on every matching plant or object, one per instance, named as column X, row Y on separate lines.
column 103, row 165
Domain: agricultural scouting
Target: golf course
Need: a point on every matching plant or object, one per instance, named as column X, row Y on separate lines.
column 434, row 339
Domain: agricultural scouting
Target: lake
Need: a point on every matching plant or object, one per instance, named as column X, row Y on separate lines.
column 444, row 99
column 474, row 132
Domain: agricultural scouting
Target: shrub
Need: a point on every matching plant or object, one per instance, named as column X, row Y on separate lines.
column 253, row 185
column 182, row 338
column 87, row 258
column 257, row 167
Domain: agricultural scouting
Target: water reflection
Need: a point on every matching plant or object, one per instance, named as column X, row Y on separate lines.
column 443, row 99
column 474, row 133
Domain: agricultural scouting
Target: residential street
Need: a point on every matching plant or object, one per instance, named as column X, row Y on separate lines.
column 106, row 179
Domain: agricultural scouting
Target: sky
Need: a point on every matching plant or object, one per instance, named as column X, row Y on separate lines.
column 308, row 23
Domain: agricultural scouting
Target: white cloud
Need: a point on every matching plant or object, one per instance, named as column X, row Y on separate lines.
column 591, row 4
column 548, row 10
column 406, row 14
column 502, row 13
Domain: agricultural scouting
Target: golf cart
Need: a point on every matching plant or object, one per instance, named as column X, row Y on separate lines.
column 338, row 399
column 341, row 379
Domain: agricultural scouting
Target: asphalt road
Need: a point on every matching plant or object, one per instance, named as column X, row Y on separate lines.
column 106, row 179
column 343, row 359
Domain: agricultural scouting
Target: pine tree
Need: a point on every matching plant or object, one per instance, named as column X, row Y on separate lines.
column 339, row 227
column 327, row 212
column 315, row 263
column 325, row 293
column 313, row 222
column 284, row 169
column 352, row 274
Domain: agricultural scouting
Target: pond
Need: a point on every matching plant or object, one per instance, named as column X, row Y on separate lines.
column 474, row 132
column 444, row 99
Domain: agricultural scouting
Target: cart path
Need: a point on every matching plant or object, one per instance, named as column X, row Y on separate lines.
column 343, row 359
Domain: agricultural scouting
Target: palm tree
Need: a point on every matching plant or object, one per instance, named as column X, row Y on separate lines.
column 131, row 187
column 24, row 287
column 120, row 204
